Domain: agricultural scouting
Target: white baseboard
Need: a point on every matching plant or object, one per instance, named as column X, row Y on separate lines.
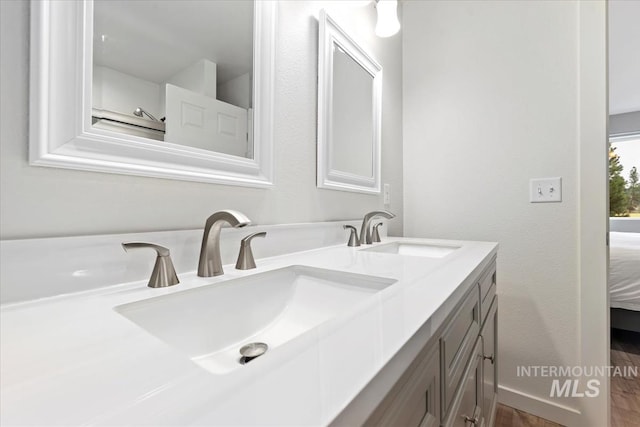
column 539, row 407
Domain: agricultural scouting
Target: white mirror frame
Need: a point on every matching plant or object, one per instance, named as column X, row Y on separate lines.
column 328, row 177
column 61, row 134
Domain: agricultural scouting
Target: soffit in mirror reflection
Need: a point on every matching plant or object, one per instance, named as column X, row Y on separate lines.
column 154, row 40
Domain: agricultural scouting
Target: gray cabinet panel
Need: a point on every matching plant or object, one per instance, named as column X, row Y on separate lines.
column 489, row 335
column 487, row 280
column 415, row 400
column 466, row 410
column 456, row 344
column 452, row 382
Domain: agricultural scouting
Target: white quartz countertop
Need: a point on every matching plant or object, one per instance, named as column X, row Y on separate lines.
column 74, row 360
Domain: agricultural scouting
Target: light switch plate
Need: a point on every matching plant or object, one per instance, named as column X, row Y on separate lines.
column 545, row 190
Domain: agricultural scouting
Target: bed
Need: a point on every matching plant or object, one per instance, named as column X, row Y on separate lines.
column 624, row 280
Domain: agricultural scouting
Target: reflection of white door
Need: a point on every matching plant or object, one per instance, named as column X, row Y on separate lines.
column 200, row 121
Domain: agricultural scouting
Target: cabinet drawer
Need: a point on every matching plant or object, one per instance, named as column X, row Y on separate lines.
column 485, row 305
column 487, row 280
column 456, row 344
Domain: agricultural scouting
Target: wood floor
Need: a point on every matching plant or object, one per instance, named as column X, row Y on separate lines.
column 625, row 391
column 510, row 417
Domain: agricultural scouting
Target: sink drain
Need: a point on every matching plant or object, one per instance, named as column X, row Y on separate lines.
column 251, row 351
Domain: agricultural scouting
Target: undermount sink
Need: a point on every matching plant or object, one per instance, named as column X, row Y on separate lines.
column 414, row 249
column 211, row 323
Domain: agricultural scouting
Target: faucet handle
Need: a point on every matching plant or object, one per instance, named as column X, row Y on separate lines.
column 163, row 274
column 245, row 257
column 353, row 237
column 375, row 237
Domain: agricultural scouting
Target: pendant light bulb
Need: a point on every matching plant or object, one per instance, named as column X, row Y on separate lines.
column 388, row 23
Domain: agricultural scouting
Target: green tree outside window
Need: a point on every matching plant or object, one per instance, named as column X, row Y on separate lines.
column 633, row 190
column 618, row 196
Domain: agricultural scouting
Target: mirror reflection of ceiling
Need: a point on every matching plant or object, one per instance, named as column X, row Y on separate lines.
column 155, row 39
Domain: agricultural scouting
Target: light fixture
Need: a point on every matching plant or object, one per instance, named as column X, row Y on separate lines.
column 388, row 23
column 139, row 112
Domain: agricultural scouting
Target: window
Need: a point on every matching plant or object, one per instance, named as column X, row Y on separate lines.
column 624, row 177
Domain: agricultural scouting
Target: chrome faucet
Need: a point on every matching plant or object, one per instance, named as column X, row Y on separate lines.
column 375, row 236
column 245, row 257
column 353, row 235
column 210, row 263
column 365, row 231
column 163, row 274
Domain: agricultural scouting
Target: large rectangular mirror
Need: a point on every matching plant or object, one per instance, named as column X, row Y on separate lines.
column 349, row 109
column 178, row 89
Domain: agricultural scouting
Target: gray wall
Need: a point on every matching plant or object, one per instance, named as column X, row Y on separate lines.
column 491, row 100
column 43, row 202
column 624, row 124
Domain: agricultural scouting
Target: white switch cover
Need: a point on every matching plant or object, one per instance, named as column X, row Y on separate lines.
column 386, row 194
column 545, row 190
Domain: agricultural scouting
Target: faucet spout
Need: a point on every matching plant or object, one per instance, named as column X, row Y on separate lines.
column 210, row 263
column 365, row 231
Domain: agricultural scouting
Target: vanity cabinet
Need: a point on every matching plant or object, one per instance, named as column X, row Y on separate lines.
column 415, row 399
column 474, row 401
column 489, row 335
column 457, row 344
column 452, row 382
column 488, row 338
column 466, row 407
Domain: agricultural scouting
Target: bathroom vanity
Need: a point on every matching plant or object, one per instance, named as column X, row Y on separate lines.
column 394, row 333
column 452, row 381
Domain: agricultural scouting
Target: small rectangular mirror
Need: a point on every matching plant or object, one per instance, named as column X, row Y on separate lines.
column 349, row 110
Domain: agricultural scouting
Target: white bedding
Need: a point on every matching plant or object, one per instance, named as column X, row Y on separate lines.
column 624, row 270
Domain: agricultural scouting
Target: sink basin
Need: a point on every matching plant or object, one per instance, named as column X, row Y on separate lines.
column 414, row 249
column 210, row 324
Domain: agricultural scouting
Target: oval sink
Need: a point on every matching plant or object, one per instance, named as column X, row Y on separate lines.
column 414, row 249
column 211, row 323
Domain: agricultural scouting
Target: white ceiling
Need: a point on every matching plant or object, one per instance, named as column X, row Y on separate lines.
column 155, row 39
column 624, row 56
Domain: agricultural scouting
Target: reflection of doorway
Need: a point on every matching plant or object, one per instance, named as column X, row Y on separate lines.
column 624, row 278
column 624, row 222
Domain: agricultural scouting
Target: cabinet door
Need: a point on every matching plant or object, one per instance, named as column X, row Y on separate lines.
column 415, row 401
column 490, row 363
column 466, row 407
column 457, row 343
